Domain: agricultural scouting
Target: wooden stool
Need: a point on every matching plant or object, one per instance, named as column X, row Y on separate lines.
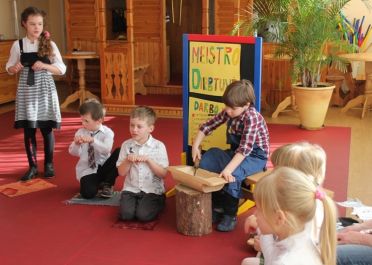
column 193, row 211
column 248, row 193
column 338, row 99
column 139, row 72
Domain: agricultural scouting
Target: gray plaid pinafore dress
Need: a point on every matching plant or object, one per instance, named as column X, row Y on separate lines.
column 37, row 104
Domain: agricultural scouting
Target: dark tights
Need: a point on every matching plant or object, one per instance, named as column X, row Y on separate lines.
column 30, row 145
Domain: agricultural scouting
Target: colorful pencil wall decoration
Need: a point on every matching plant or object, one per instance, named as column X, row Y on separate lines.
column 354, row 33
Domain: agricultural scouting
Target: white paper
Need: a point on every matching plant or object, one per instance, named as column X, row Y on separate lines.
column 351, row 203
column 364, row 213
column 360, row 210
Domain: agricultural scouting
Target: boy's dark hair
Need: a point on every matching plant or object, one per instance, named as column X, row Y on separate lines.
column 45, row 47
column 94, row 107
column 144, row 113
column 239, row 93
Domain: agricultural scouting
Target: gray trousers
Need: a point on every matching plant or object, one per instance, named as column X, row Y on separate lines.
column 142, row 206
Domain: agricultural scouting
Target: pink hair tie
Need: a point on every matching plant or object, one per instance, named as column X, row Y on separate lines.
column 47, row 34
column 319, row 194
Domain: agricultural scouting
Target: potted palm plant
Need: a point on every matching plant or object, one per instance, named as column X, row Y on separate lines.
column 313, row 40
column 309, row 35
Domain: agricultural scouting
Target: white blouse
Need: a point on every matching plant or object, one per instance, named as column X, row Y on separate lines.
column 297, row 249
column 28, row 46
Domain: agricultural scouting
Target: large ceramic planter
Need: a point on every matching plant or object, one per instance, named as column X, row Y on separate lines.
column 312, row 104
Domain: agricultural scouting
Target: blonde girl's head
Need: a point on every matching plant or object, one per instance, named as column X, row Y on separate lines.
column 45, row 48
column 304, row 156
column 286, row 202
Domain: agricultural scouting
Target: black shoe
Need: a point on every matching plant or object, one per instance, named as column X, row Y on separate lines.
column 216, row 216
column 107, row 191
column 48, row 171
column 30, row 174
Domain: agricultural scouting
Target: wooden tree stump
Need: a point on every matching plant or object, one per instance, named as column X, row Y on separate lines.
column 193, row 211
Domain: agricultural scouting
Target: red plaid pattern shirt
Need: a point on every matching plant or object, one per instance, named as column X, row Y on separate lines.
column 253, row 131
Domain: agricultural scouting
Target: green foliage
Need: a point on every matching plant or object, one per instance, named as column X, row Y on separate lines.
column 310, row 36
column 313, row 39
column 259, row 17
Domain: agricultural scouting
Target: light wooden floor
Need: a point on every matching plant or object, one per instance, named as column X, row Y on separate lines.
column 360, row 167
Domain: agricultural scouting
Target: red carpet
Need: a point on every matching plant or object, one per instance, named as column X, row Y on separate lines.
column 38, row 228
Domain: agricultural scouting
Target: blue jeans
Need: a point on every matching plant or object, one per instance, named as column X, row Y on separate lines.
column 215, row 160
column 354, row 255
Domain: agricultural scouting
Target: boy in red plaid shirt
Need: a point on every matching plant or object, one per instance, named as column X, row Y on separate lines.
column 248, row 137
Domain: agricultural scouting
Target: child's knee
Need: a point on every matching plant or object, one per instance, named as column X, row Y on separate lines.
column 146, row 215
column 126, row 214
column 209, row 157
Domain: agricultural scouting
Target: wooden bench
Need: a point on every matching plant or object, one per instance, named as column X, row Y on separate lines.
column 139, row 72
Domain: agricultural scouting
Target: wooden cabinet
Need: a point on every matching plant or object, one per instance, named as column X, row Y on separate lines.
column 8, row 83
column 138, row 42
column 276, row 76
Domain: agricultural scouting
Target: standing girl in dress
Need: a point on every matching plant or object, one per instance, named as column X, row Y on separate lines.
column 36, row 58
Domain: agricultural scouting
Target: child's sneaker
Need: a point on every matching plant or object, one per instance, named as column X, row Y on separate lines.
column 227, row 224
column 107, row 191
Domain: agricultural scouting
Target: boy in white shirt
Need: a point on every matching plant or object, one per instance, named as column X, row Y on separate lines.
column 96, row 170
column 144, row 161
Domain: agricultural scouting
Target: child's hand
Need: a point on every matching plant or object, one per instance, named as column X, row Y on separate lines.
column 86, row 139
column 196, row 153
column 137, row 158
column 227, row 175
column 351, row 237
column 131, row 158
column 15, row 68
column 141, row 158
column 354, row 227
column 78, row 140
column 256, row 244
column 38, row 65
column 250, row 224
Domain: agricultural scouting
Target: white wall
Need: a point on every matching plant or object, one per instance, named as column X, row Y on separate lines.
column 7, row 19
column 55, row 19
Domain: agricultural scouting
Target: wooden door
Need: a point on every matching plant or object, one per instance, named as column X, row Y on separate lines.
column 183, row 17
column 83, row 35
column 82, row 25
column 149, row 39
column 227, row 13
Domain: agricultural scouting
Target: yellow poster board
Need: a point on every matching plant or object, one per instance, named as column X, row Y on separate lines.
column 210, row 64
column 213, row 66
column 201, row 110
